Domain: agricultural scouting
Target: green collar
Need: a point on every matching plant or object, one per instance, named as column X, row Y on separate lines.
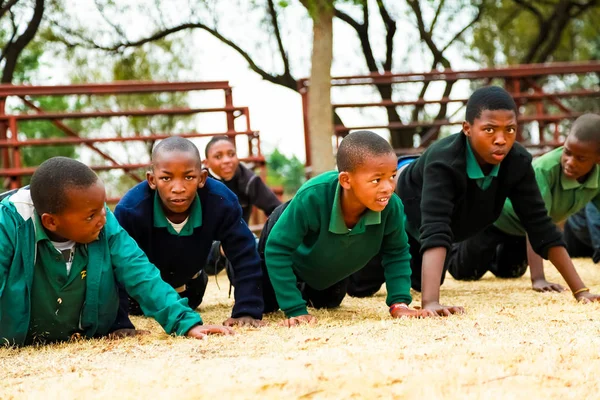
column 590, row 183
column 194, row 218
column 337, row 224
column 473, row 169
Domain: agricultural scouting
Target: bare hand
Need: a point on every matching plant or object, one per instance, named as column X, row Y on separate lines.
column 244, row 321
column 587, row 297
column 123, row 333
column 435, row 309
column 542, row 285
column 400, row 312
column 299, row 320
column 200, row 331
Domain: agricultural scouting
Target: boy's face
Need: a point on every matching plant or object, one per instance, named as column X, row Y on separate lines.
column 492, row 135
column 176, row 176
column 578, row 158
column 222, row 158
column 84, row 216
column 373, row 182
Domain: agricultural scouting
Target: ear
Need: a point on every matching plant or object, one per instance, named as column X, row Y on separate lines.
column 205, row 163
column 345, row 179
column 49, row 222
column 151, row 180
column 202, row 179
column 466, row 127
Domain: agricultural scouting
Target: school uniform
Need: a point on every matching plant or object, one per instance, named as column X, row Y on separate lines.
column 50, row 295
column 180, row 256
column 309, row 252
column 504, row 244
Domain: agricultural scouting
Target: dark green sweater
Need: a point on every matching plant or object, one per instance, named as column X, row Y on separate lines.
column 310, row 240
column 445, row 206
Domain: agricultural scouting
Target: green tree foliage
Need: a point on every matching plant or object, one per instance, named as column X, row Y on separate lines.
column 285, row 172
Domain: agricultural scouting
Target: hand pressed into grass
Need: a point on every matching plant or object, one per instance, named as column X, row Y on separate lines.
column 244, row 321
column 201, row 331
column 587, row 297
column 299, row 320
column 434, row 309
column 542, row 285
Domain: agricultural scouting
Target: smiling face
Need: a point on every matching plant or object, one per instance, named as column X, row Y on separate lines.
column 83, row 217
column 578, row 158
column 372, row 183
column 176, row 176
column 492, row 135
column 222, row 159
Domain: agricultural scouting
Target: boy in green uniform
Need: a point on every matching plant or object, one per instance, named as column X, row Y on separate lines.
column 63, row 254
column 568, row 178
column 334, row 225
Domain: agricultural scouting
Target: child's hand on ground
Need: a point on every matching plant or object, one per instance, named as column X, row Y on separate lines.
column 542, row 285
column 123, row 333
column 587, row 297
column 200, row 331
column 299, row 320
column 400, row 312
column 435, row 309
column 244, row 321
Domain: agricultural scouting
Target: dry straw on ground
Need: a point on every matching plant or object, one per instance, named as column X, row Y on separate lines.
column 513, row 343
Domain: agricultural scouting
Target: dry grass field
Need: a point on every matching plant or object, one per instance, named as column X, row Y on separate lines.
column 512, row 343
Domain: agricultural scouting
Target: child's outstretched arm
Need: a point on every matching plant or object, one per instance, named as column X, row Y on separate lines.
column 143, row 282
column 285, row 237
column 560, row 258
column 536, row 269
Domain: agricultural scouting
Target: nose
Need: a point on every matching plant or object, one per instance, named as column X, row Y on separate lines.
column 177, row 187
column 102, row 220
column 388, row 187
column 499, row 139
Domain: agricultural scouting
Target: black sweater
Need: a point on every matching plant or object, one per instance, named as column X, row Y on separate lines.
column 251, row 191
column 180, row 257
column 445, row 206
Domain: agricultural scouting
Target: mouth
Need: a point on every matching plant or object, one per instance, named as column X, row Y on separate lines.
column 569, row 173
column 178, row 202
column 383, row 201
column 498, row 155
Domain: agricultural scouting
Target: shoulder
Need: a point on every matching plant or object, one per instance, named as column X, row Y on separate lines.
column 136, row 200
column 548, row 161
column 214, row 191
column 519, row 154
column 449, row 152
column 318, row 188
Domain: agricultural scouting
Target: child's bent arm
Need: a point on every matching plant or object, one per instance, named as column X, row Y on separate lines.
column 536, row 267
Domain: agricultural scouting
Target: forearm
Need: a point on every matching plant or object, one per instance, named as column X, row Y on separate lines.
column 433, row 266
column 536, row 264
column 560, row 258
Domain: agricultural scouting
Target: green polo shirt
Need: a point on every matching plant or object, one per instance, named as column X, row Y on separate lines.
column 194, row 219
column 56, row 298
column 474, row 170
column 311, row 242
column 563, row 197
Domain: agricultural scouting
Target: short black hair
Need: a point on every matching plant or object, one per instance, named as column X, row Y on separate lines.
column 51, row 180
column 357, row 147
column 490, row 98
column 175, row 143
column 587, row 128
column 214, row 140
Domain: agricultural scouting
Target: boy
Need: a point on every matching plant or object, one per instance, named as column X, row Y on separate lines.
column 334, row 225
column 177, row 214
column 568, row 178
column 62, row 254
column 223, row 165
column 458, row 187
column 582, row 233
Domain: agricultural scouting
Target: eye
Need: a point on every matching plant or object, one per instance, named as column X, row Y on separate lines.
column 218, row 157
column 90, row 218
column 165, row 178
column 393, row 177
column 511, row 130
column 489, row 130
column 190, row 177
column 375, row 181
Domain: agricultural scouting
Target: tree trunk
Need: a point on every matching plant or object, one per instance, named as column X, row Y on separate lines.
column 320, row 114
